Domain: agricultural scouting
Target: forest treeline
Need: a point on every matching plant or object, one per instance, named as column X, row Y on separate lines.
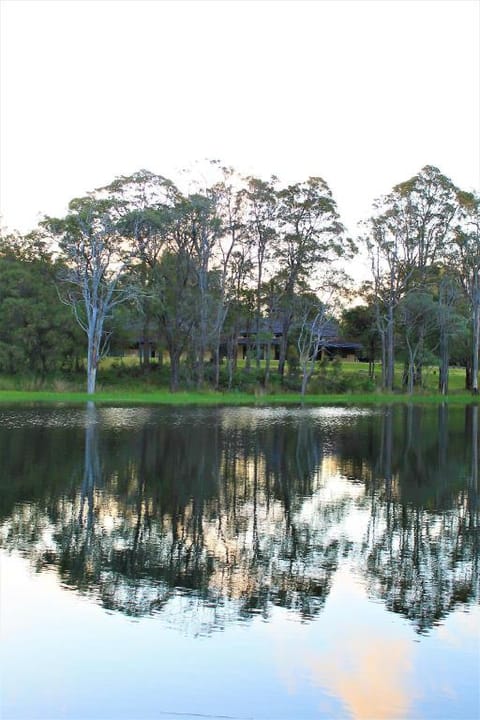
column 142, row 260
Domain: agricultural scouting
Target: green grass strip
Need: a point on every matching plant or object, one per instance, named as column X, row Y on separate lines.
column 228, row 399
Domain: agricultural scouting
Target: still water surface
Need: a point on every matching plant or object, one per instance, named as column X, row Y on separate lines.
column 240, row 563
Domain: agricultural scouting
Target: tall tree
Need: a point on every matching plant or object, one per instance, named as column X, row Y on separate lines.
column 409, row 234
column 239, row 305
column 310, row 235
column 464, row 258
column 176, row 308
column 451, row 324
column 231, row 236
column 196, row 230
column 144, row 203
column 262, row 206
column 95, row 258
column 428, row 203
column 388, row 287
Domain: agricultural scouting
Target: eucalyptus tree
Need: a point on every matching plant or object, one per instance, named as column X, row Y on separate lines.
column 96, row 260
column 173, row 237
column 464, row 258
column 310, row 235
column 429, row 205
column 177, row 305
column 144, row 203
column 389, row 284
column 408, row 236
column 262, row 206
column 451, row 324
column 199, row 229
column 170, row 230
column 228, row 256
column 240, row 304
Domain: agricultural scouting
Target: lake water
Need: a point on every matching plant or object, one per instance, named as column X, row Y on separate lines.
column 239, row 563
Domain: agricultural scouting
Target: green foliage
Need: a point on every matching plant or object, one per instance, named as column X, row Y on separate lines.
column 37, row 335
column 359, row 325
column 241, row 257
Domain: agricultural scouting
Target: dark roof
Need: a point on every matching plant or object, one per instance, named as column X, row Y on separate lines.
column 249, row 341
column 275, row 327
column 265, row 326
column 341, row 345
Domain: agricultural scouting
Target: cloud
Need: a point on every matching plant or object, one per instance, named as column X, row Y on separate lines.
column 366, row 667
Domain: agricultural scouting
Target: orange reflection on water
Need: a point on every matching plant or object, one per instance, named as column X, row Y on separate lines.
column 370, row 674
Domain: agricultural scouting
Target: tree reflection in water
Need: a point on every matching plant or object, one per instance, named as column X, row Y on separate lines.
column 220, row 515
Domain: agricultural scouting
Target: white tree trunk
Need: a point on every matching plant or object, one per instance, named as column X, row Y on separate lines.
column 476, row 344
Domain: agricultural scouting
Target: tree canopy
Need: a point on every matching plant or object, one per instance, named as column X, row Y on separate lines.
column 190, row 272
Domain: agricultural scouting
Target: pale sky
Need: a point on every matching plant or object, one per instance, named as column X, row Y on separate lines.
column 361, row 93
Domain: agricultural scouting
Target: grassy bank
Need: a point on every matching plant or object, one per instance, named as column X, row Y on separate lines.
column 227, row 399
column 125, row 382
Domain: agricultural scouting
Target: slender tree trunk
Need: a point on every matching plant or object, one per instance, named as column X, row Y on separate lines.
column 468, row 374
column 412, row 365
column 383, row 339
column 174, row 368
column 282, row 357
column 202, row 330
column 93, row 353
column 390, row 351
column 200, row 366
column 217, row 364
column 418, row 374
column 247, row 351
column 305, row 379
column 444, row 362
column 257, row 334
column 268, row 353
column 476, row 344
column 91, row 379
column 283, row 345
column 383, row 336
column 410, row 376
column 445, row 302
column 232, row 349
column 371, row 362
